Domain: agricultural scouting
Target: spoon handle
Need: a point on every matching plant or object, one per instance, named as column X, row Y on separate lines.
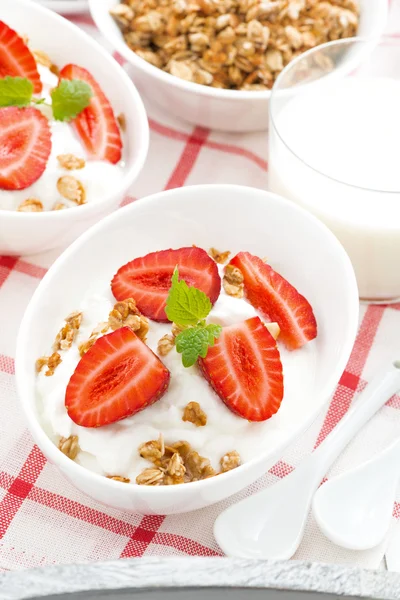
column 378, row 392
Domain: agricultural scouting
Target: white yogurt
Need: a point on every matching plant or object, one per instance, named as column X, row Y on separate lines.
column 99, row 177
column 347, row 133
column 113, row 449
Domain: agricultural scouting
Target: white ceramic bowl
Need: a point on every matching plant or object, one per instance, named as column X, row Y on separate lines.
column 66, row 7
column 226, row 216
column 29, row 233
column 227, row 110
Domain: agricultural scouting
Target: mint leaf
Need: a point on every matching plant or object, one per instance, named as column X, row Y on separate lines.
column 213, row 332
column 192, row 343
column 70, row 98
column 15, row 91
column 186, row 305
column 195, row 341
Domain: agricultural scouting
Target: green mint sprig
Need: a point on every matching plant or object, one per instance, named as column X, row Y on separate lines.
column 69, row 98
column 189, row 307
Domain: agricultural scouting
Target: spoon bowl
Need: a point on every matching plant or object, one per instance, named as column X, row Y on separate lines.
column 354, row 510
column 269, row 525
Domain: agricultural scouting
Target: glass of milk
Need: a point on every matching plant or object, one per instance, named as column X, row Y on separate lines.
column 335, row 149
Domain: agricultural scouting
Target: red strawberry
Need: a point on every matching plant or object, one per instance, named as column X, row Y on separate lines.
column 245, row 369
column 25, row 146
column 116, row 378
column 16, row 60
column 148, row 279
column 277, row 300
column 96, row 125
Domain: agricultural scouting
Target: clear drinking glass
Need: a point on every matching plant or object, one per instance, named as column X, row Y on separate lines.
column 335, row 149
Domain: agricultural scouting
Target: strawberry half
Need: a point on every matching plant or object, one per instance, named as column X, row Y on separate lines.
column 245, row 369
column 25, row 146
column 16, row 60
column 148, row 279
column 96, row 125
column 116, row 378
column 277, row 300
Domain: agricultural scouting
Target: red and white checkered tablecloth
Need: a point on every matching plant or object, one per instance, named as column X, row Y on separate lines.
column 43, row 519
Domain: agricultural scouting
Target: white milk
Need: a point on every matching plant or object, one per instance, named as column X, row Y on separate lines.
column 346, row 136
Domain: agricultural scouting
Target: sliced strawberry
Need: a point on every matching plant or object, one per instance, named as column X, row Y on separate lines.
column 116, row 378
column 245, row 369
column 25, row 146
column 16, row 60
column 148, row 279
column 277, row 300
column 96, row 125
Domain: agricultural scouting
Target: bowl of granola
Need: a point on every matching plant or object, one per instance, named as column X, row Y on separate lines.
column 179, row 362
column 214, row 62
column 73, row 130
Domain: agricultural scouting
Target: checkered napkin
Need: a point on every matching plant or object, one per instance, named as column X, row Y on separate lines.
column 43, row 519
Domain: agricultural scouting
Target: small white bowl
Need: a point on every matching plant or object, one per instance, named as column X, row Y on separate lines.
column 30, row 233
column 226, row 110
column 225, row 216
column 66, row 7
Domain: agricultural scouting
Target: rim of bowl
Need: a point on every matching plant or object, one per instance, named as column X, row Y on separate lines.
column 96, row 7
column 129, row 173
column 57, row 457
column 275, row 91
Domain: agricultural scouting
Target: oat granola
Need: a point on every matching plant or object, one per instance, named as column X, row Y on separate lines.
column 233, row 282
column 126, row 314
column 194, row 414
column 165, row 344
column 230, row 461
column 119, row 478
column 69, row 446
column 151, row 476
column 97, row 331
column 219, row 257
column 30, row 205
column 58, row 206
column 51, row 362
column 231, row 44
column 68, row 332
column 70, row 162
column 71, row 188
column 173, row 464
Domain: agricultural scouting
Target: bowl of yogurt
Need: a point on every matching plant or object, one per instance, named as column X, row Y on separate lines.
column 183, row 408
column 76, row 135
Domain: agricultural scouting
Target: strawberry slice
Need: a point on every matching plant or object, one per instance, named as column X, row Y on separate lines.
column 16, row 60
column 245, row 369
column 96, row 125
column 25, row 146
column 277, row 300
column 148, row 279
column 116, row 378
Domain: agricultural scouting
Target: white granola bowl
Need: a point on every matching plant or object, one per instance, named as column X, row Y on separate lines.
column 299, row 245
column 30, row 233
column 226, row 110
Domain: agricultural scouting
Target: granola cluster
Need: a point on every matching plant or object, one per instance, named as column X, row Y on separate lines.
column 124, row 314
column 179, row 463
column 69, row 446
column 195, row 414
column 231, row 44
column 68, row 186
column 233, row 282
column 167, row 342
column 63, row 341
